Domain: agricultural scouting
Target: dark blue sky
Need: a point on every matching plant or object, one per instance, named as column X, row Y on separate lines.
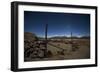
column 61, row 24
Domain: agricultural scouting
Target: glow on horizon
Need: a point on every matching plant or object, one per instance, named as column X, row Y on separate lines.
column 69, row 35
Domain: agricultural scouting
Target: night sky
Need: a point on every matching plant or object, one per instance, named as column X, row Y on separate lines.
column 59, row 24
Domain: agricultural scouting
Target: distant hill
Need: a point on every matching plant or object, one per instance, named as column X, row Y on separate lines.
column 65, row 37
column 33, row 36
column 85, row 37
column 58, row 37
column 30, row 36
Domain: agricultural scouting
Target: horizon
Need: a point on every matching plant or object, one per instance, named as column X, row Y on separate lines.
column 59, row 36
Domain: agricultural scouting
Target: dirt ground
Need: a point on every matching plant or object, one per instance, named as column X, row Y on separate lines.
column 79, row 49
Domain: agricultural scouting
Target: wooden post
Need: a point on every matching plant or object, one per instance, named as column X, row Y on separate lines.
column 71, row 38
column 46, row 41
column 46, row 30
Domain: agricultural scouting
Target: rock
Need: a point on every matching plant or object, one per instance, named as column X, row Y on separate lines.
column 30, row 37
